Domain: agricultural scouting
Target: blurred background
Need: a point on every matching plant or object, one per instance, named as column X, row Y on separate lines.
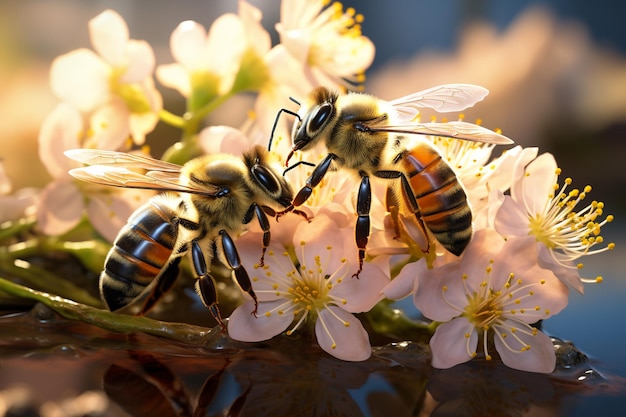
column 556, row 70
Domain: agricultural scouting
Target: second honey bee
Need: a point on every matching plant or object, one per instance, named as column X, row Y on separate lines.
column 207, row 201
column 371, row 137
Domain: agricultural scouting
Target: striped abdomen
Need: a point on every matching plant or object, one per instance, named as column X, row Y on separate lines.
column 440, row 197
column 141, row 250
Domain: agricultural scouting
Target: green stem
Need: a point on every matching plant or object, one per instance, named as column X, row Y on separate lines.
column 172, row 119
column 195, row 117
column 184, row 333
column 12, row 228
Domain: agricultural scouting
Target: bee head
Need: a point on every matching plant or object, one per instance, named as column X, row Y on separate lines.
column 273, row 186
column 315, row 118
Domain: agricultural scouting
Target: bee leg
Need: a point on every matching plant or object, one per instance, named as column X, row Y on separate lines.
column 305, row 192
column 409, row 199
column 393, row 208
column 241, row 275
column 205, row 285
column 362, row 229
column 164, row 284
column 260, row 211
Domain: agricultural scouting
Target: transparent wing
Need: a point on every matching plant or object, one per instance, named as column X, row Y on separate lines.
column 120, row 159
column 443, row 98
column 114, row 169
column 454, row 129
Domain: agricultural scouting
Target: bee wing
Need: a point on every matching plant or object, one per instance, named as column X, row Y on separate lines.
column 116, row 176
column 120, row 159
column 443, row 98
column 114, row 169
column 453, row 129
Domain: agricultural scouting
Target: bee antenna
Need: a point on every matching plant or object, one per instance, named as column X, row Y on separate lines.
column 293, row 113
column 311, row 164
column 294, row 100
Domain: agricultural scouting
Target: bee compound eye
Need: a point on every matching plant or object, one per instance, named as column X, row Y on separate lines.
column 265, row 178
column 319, row 118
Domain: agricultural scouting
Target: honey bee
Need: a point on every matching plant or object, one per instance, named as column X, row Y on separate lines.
column 373, row 138
column 206, row 202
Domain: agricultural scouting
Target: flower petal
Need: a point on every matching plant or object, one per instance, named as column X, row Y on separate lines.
column 244, row 326
column 60, row 208
column 140, row 61
column 534, row 185
column 342, row 335
column 540, row 357
column 450, row 345
column 81, row 78
column 108, row 213
column 223, row 139
column 187, row 43
column 60, row 131
column 109, row 34
column 109, row 126
column 511, row 219
column 569, row 276
column 361, row 294
column 174, row 76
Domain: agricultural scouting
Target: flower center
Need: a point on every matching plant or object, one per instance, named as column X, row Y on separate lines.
column 561, row 226
column 308, row 293
column 503, row 312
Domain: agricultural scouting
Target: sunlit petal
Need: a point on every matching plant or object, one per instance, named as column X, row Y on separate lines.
column 537, row 355
column 81, row 78
column 244, row 326
column 60, row 131
column 342, row 335
column 453, row 343
column 109, row 33
column 60, row 208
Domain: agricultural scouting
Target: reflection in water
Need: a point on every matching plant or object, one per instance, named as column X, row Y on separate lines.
column 146, row 376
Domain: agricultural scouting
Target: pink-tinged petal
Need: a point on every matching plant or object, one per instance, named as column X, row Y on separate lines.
column 269, row 282
column 60, row 131
column 81, row 78
column 453, row 343
column 320, row 238
column 109, row 126
column 429, row 297
column 226, row 40
column 361, row 294
column 539, row 358
column 512, row 219
column 140, row 125
column 140, row 62
column 187, row 43
column 351, row 56
column 223, row 139
column 405, row 283
column 297, row 42
column 569, row 274
column 517, row 256
column 109, row 34
column 174, row 76
column 60, row 208
column 108, row 213
column 245, row 327
column 552, row 295
column 342, row 335
column 257, row 37
column 535, row 185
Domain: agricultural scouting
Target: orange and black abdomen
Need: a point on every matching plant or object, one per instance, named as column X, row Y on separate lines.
column 440, row 197
column 141, row 251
